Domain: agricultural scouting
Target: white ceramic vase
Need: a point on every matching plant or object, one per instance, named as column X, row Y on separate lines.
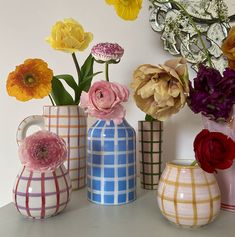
column 187, row 196
column 40, row 195
column 70, row 123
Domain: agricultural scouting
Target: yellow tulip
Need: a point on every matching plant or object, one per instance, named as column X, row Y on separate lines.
column 126, row 9
column 69, row 36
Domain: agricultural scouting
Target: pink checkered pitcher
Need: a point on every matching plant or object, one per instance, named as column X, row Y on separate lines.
column 70, row 123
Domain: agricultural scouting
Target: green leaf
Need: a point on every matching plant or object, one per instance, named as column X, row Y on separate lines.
column 70, row 82
column 112, row 61
column 85, row 85
column 149, row 118
column 59, row 94
column 87, row 68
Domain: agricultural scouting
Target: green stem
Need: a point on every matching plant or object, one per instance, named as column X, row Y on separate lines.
column 149, row 118
column 77, row 68
column 107, row 71
column 51, row 100
column 194, row 163
column 195, row 27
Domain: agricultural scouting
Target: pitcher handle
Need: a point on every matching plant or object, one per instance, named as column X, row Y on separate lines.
column 36, row 120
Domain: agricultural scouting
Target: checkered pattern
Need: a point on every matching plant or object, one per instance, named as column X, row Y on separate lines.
column 41, row 195
column 188, row 196
column 111, row 163
column 150, row 149
column 70, row 123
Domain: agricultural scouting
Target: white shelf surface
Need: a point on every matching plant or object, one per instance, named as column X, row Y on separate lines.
column 140, row 218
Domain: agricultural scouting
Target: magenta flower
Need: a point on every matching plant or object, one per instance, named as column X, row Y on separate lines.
column 107, row 52
column 42, row 151
column 104, row 99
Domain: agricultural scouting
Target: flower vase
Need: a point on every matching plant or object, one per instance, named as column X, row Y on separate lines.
column 70, row 123
column 111, row 163
column 188, row 196
column 225, row 178
column 150, row 150
column 40, row 195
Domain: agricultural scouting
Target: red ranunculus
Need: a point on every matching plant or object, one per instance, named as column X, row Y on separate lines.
column 214, row 150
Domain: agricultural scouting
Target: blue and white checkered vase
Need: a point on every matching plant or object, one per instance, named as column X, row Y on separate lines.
column 111, row 165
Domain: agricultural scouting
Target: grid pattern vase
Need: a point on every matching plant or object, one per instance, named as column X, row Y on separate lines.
column 111, row 163
column 150, row 150
column 70, row 123
column 40, row 195
column 188, row 196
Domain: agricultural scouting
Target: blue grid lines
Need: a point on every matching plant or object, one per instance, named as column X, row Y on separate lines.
column 111, row 163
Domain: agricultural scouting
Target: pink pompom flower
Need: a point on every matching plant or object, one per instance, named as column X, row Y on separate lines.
column 107, row 52
column 42, row 151
column 104, row 99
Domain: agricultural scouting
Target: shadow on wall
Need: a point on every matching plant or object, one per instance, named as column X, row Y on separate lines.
column 180, row 131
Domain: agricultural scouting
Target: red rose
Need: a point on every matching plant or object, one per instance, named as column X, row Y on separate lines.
column 214, row 150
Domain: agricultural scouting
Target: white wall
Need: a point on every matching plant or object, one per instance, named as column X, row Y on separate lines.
column 24, row 25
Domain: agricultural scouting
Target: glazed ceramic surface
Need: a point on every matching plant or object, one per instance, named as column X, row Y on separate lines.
column 41, row 195
column 225, row 178
column 111, row 163
column 226, row 181
column 150, row 150
column 188, row 196
column 70, row 123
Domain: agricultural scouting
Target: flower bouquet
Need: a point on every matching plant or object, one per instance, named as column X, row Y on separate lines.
column 33, row 79
column 111, row 140
column 43, row 187
column 211, row 93
column 159, row 91
column 188, row 194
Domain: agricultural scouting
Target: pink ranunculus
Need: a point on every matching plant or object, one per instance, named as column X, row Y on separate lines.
column 104, row 99
column 42, row 151
column 107, row 51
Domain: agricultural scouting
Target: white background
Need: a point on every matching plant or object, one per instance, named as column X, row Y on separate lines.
column 24, row 26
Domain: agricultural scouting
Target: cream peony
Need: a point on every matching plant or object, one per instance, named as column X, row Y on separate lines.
column 161, row 91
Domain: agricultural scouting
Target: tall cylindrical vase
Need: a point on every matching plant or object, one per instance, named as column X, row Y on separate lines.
column 111, row 163
column 225, row 178
column 150, row 150
column 70, row 123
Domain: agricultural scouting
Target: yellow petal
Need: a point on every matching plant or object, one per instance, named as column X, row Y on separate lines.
column 126, row 9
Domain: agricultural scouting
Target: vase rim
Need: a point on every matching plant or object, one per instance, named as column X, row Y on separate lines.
column 150, row 121
column 182, row 163
column 61, row 106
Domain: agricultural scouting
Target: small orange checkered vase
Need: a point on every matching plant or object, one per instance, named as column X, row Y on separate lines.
column 70, row 123
column 188, row 196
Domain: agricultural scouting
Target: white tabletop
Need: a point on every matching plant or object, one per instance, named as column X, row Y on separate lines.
column 141, row 218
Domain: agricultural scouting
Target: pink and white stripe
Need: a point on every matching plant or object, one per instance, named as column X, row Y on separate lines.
column 41, row 195
column 70, row 123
